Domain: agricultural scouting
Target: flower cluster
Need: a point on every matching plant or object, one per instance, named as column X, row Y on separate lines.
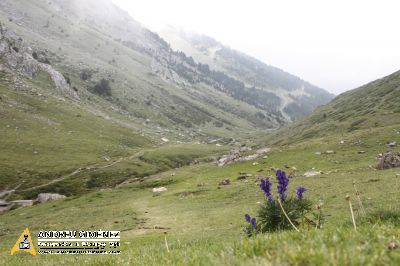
column 299, row 192
column 283, row 182
column 253, row 220
column 265, row 186
column 278, row 212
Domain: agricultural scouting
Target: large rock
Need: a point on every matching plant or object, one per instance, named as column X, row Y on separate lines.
column 44, row 197
column 389, row 160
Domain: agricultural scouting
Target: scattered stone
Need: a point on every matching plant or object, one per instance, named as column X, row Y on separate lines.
column 249, row 175
column 389, row 160
column 292, row 174
column 265, row 157
column 165, row 139
column 23, row 203
column 225, row 182
column 361, row 152
column 391, row 144
column 392, row 245
column 311, row 173
column 272, row 168
column 202, row 184
column 318, row 153
column 235, row 156
column 44, row 197
column 241, row 177
column 255, row 163
column 330, row 152
column 6, row 193
column 4, row 206
column 248, row 158
column 242, row 173
column 244, row 149
column 158, row 190
column 263, row 151
column 342, row 142
column 397, row 175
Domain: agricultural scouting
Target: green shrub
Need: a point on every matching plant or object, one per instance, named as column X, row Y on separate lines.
column 103, row 88
column 271, row 218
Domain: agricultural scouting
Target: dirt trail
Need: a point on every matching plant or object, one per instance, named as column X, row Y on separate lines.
column 87, row 168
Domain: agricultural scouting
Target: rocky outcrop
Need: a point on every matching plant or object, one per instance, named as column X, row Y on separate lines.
column 236, row 156
column 18, row 59
column 389, row 160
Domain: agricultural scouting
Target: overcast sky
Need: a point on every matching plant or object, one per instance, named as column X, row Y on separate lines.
column 337, row 45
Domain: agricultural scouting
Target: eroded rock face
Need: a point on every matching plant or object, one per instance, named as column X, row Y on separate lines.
column 17, row 59
column 389, row 160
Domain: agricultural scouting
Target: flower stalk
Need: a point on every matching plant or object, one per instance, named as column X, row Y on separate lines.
column 287, row 217
column 359, row 199
column 166, row 242
column 352, row 213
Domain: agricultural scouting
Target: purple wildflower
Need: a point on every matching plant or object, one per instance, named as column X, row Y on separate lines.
column 283, row 182
column 254, row 222
column 300, row 191
column 265, row 186
column 247, row 217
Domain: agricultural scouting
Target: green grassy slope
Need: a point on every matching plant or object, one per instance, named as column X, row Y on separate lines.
column 44, row 138
column 204, row 222
column 74, row 40
column 374, row 105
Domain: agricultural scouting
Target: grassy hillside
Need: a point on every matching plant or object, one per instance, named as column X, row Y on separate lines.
column 372, row 106
column 204, row 222
column 85, row 49
column 149, row 80
column 295, row 97
column 49, row 140
column 45, row 138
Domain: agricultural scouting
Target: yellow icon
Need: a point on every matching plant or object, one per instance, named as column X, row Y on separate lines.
column 24, row 243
